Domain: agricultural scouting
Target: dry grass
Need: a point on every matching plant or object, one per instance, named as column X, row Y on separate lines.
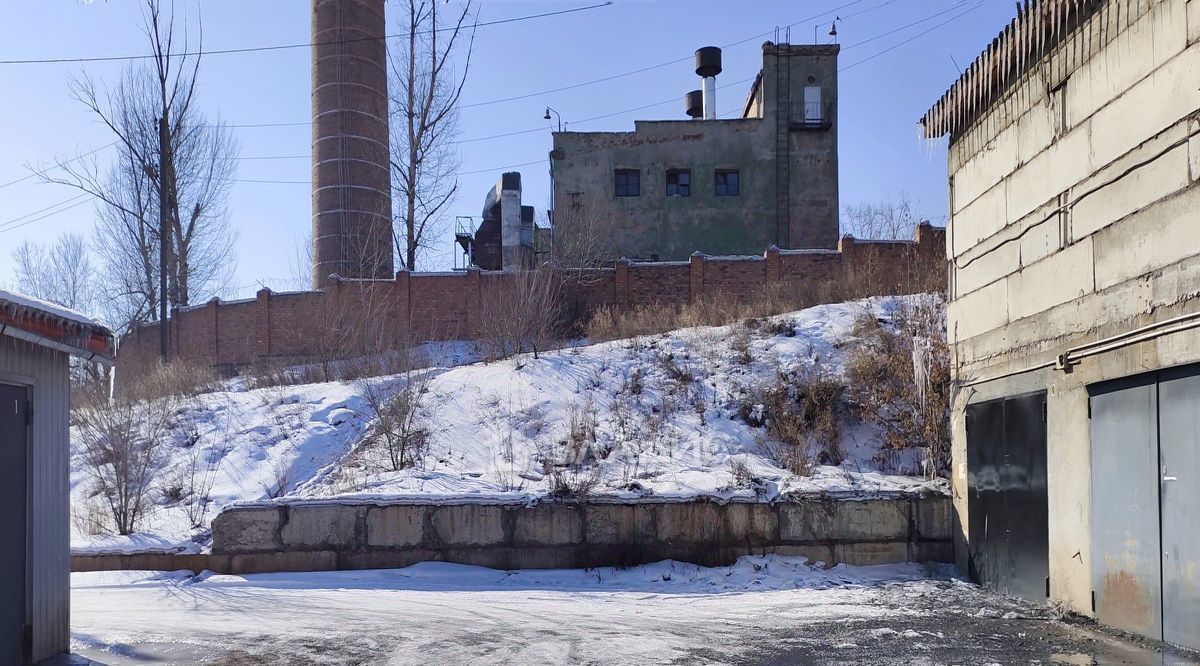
column 611, row 323
column 801, row 414
column 900, row 377
column 172, row 379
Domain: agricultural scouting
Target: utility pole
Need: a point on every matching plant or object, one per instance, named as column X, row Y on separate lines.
column 164, row 237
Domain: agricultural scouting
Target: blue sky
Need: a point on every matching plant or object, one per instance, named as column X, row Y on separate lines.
column 883, row 90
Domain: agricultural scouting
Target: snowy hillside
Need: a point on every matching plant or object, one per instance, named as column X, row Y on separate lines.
column 668, row 416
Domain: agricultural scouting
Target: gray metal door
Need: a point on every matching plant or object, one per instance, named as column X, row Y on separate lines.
column 1179, row 451
column 14, row 447
column 1126, row 571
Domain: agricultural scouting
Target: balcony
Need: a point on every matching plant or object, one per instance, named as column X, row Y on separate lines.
column 812, row 116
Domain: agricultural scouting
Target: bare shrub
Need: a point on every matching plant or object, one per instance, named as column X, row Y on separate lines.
column 280, row 479
column 900, row 377
column 801, row 414
column 121, row 445
column 397, row 430
column 522, row 315
column 196, row 478
column 567, row 468
column 89, row 516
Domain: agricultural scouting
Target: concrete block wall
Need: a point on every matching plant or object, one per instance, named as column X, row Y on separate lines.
column 321, row 536
column 355, row 317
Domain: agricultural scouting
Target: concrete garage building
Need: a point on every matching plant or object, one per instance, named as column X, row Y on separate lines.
column 720, row 186
column 1074, row 319
column 36, row 341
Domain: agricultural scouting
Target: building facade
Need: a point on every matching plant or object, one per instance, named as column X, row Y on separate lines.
column 1074, row 315
column 36, row 341
column 725, row 186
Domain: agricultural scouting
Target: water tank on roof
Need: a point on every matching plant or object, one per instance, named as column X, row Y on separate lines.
column 693, row 104
column 708, row 61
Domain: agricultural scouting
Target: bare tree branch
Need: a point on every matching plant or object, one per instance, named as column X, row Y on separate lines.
column 424, row 93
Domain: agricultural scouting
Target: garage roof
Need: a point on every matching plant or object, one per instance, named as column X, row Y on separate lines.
column 55, row 326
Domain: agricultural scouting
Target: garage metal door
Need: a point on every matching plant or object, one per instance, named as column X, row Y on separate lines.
column 1007, row 503
column 13, row 451
column 1145, row 498
column 1126, row 577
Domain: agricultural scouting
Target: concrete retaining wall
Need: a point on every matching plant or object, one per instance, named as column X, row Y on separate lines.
column 317, row 537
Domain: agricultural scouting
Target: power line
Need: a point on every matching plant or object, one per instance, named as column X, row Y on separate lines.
column 663, row 64
column 282, row 47
column 13, row 223
column 460, row 173
column 59, row 165
column 913, row 38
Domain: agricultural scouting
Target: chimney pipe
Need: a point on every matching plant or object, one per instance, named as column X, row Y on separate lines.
column 708, row 66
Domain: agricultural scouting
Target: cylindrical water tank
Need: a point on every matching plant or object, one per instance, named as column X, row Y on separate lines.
column 708, row 61
column 693, row 104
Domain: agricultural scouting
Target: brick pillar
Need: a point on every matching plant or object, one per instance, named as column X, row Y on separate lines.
column 774, row 267
column 473, row 303
column 696, row 281
column 403, row 305
column 214, row 310
column 621, row 282
column 262, row 324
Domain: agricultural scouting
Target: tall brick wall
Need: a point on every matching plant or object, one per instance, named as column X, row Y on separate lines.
column 352, row 317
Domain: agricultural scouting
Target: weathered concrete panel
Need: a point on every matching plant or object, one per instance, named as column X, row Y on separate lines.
column 246, row 530
column 751, row 523
column 618, row 523
column 320, row 527
column 1158, row 236
column 978, row 312
column 869, row 554
column 468, row 525
column 573, row 534
column 396, row 526
column 1139, row 189
column 548, row 525
column 933, row 518
column 1065, row 276
column 691, row 521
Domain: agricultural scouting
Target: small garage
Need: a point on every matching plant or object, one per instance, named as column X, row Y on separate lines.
column 37, row 341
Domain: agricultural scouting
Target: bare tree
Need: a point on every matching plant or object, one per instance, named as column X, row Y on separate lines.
column 424, row 91
column 121, row 445
column 887, row 219
column 198, row 156
column 60, row 272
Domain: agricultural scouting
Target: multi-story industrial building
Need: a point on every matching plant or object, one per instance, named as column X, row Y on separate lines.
column 1074, row 316
column 721, row 186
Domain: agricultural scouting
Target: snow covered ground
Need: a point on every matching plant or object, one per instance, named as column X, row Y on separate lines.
column 761, row 610
column 664, row 410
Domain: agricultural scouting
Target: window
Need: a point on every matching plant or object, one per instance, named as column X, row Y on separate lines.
column 726, row 183
column 679, row 183
column 628, row 182
column 813, row 113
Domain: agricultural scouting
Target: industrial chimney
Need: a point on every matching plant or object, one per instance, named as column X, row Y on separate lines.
column 708, row 65
column 351, row 199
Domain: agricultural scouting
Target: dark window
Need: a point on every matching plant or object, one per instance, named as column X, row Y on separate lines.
column 727, row 184
column 679, row 183
column 628, row 183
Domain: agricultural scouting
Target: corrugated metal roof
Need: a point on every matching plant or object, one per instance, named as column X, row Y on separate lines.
column 53, row 325
column 1039, row 27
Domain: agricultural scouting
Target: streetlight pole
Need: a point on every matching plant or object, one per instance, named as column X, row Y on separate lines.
column 556, row 113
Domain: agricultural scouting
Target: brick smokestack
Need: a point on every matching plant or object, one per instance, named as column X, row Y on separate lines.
column 352, row 202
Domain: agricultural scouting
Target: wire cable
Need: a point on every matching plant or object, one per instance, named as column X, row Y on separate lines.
column 282, row 47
